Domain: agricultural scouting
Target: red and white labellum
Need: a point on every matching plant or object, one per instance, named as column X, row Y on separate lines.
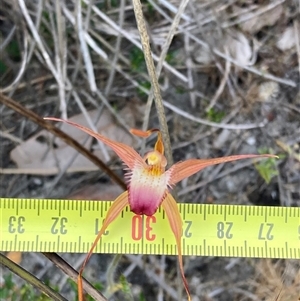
column 148, row 186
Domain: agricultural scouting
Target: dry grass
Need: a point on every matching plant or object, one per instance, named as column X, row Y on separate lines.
column 277, row 280
column 229, row 84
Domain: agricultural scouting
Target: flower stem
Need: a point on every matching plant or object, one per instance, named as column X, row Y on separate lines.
column 153, row 78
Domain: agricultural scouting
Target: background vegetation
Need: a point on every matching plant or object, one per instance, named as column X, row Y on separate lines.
column 229, row 83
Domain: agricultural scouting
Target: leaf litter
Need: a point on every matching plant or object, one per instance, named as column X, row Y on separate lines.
column 44, row 154
column 260, row 35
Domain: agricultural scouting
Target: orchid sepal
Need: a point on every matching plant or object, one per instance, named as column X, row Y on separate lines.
column 126, row 153
column 185, row 169
column 113, row 212
column 172, row 212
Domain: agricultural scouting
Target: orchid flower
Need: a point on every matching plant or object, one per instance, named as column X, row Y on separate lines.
column 149, row 185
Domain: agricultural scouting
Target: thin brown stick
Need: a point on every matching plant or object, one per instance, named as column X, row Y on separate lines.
column 57, row 132
column 73, row 274
column 28, row 277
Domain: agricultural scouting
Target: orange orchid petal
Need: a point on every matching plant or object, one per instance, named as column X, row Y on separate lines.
column 171, row 209
column 159, row 146
column 143, row 134
column 126, row 153
column 182, row 170
column 113, row 212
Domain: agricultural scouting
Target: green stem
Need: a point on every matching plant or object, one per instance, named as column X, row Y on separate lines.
column 111, row 285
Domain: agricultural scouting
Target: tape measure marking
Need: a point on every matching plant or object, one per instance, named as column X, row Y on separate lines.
column 32, row 225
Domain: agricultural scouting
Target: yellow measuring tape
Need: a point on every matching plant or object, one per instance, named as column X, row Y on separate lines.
column 32, row 225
